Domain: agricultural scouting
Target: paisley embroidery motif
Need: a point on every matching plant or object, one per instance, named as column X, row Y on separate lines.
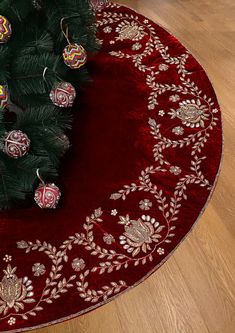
column 14, row 292
column 192, row 113
column 130, row 30
column 139, row 234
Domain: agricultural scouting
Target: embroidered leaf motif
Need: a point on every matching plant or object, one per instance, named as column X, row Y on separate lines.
column 116, row 196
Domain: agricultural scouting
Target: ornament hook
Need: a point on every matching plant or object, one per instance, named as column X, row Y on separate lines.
column 39, row 177
column 44, row 73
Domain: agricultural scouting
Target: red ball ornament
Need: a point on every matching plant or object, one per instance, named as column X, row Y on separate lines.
column 63, row 95
column 16, row 144
column 47, row 196
column 75, row 56
column 3, row 96
column 5, row 29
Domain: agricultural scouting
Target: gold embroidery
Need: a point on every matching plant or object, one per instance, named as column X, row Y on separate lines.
column 130, row 30
column 38, row 269
column 108, row 239
column 192, row 113
column 78, row 264
column 145, row 204
column 175, row 170
column 14, row 291
column 7, row 258
column 142, row 237
column 178, row 130
column 12, row 321
column 139, row 234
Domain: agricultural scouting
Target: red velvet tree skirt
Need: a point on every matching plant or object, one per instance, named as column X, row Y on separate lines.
column 147, row 144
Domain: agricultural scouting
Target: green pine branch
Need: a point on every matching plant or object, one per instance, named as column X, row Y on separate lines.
column 31, row 65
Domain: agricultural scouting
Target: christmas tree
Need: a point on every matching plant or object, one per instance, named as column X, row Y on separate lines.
column 43, row 50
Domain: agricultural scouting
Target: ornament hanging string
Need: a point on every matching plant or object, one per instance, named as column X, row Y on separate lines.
column 65, row 33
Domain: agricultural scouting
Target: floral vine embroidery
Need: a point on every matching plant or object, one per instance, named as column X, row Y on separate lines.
column 143, row 236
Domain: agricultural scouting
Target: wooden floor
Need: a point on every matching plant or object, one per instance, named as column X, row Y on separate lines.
column 194, row 292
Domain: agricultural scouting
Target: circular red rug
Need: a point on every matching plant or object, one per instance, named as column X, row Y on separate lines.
column 147, row 145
